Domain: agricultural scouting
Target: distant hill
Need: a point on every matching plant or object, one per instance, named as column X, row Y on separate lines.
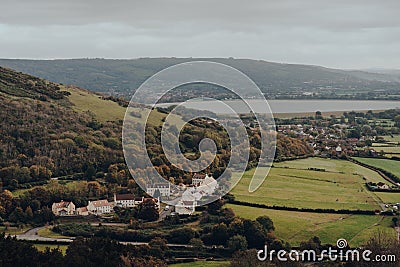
column 122, row 77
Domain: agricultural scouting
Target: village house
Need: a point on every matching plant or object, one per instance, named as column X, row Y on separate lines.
column 124, row 200
column 185, row 207
column 198, row 178
column 63, row 208
column 99, row 207
column 138, row 200
column 83, row 211
column 163, row 188
column 383, row 186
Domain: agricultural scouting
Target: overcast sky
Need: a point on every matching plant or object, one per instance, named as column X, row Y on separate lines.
column 341, row 34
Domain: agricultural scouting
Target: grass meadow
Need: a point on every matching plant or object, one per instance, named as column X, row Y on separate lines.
column 291, row 184
column 295, row 227
column 42, row 247
column 392, row 166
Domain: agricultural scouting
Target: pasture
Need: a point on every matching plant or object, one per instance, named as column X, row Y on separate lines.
column 292, row 184
column 295, row 227
column 391, row 166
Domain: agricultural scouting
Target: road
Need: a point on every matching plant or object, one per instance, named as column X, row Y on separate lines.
column 32, row 235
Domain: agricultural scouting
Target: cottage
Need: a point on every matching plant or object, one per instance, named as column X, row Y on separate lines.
column 99, row 207
column 83, row 211
column 198, row 179
column 63, row 208
column 383, row 186
column 164, row 189
column 124, row 200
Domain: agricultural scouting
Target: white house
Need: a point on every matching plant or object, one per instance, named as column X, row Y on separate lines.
column 63, row 208
column 138, row 200
column 163, row 188
column 198, row 178
column 185, row 207
column 99, row 207
column 124, row 200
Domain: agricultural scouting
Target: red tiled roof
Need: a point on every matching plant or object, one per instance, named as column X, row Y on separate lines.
column 199, row 176
column 62, row 204
column 125, row 197
column 100, row 203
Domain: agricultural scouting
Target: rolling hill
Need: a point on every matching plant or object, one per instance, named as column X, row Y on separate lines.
column 50, row 130
column 122, row 77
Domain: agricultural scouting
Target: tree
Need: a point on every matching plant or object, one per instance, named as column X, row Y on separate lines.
column 254, row 233
column 148, row 210
column 397, row 121
column 197, row 245
column 17, row 215
column 28, row 213
column 246, row 258
column 215, row 207
column 266, row 223
column 90, row 172
column 355, row 133
column 220, row 234
column 237, row 242
column 158, row 247
column 395, row 221
column 6, row 201
column 181, row 236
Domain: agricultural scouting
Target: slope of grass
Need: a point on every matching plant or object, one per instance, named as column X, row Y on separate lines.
column 291, row 184
column 387, row 149
column 393, row 140
column 389, row 197
column 105, row 110
column 47, row 232
column 14, row 230
column 295, row 227
column 391, row 166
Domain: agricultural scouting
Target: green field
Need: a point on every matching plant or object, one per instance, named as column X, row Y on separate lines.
column 202, row 263
column 391, row 166
column 295, row 227
column 47, row 232
column 386, row 149
column 291, row 184
column 388, row 197
column 393, row 140
column 50, row 184
column 42, row 247
column 105, row 110
column 14, row 230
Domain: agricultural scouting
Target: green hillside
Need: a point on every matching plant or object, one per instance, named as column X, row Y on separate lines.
column 46, row 132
